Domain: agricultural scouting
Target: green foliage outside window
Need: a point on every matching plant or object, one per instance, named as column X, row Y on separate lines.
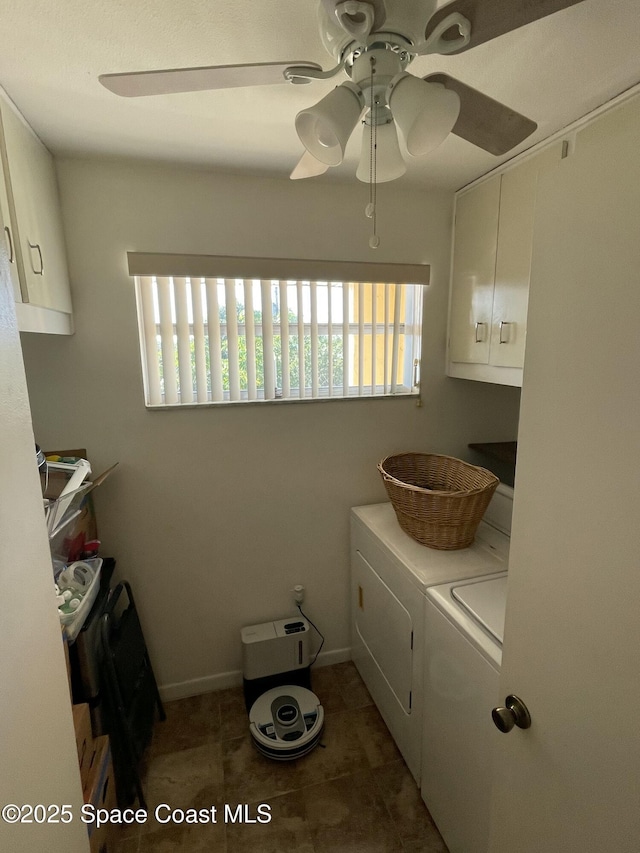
column 328, row 355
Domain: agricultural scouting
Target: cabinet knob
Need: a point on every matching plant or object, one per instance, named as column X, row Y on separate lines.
column 480, row 332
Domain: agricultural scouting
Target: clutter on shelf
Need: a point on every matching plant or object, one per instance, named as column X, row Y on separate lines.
column 76, row 587
column 67, row 490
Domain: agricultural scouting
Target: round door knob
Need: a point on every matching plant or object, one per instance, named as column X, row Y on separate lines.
column 515, row 713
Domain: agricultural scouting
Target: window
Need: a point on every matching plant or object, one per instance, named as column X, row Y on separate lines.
column 233, row 338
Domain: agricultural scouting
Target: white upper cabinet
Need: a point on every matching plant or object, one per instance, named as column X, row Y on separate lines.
column 490, row 273
column 32, row 216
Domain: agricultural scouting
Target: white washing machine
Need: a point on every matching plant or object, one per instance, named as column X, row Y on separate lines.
column 390, row 576
column 464, row 624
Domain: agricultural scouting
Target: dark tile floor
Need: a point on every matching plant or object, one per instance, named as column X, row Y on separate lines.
column 355, row 795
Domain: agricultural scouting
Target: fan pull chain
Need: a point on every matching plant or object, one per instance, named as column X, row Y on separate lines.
column 374, row 240
column 370, row 210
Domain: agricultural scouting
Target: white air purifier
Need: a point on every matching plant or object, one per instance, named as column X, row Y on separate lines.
column 286, row 718
column 273, row 648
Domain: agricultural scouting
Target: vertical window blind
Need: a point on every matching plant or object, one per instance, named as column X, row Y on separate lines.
column 209, row 339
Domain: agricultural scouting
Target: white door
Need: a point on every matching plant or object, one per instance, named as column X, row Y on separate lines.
column 572, row 641
column 39, row 764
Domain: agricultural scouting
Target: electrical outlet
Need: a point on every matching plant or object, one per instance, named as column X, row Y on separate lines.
column 298, row 594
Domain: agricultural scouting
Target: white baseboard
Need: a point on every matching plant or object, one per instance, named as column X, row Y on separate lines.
column 196, row 686
column 334, row 656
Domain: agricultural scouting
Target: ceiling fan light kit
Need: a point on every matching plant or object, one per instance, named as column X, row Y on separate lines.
column 424, row 112
column 324, row 129
column 373, row 41
column 392, row 98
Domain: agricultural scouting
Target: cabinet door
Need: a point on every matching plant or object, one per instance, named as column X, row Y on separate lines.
column 513, row 259
column 474, row 262
column 33, row 189
column 9, row 237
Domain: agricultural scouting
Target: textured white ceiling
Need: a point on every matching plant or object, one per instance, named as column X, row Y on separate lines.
column 552, row 71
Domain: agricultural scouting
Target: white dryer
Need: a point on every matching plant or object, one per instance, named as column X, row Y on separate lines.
column 464, row 624
column 390, row 575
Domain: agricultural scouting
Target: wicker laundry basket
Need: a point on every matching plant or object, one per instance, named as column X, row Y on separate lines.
column 438, row 500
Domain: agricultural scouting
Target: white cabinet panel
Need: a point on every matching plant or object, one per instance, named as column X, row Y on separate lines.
column 474, row 265
column 33, row 214
column 490, row 273
column 513, row 258
column 7, row 235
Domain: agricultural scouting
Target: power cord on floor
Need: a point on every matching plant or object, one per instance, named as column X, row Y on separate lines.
column 318, row 631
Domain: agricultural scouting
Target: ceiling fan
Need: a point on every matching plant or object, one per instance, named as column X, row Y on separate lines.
column 373, row 42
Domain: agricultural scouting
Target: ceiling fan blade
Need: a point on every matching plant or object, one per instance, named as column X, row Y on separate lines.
column 174, row 80
column 308, row 167
column 484, row 122
column 492, row 18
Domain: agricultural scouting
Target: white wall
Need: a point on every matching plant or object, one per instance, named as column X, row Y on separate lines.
column 215, row 514
column 37, row 743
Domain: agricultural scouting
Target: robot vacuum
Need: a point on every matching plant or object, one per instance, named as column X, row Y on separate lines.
column 286, row 722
